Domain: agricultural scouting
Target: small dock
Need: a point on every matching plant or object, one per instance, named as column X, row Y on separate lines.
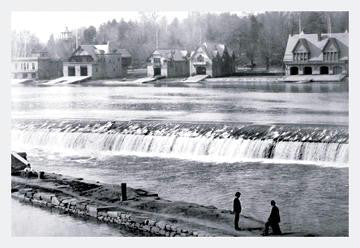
column 67, row 80
column 21, row 81
column 195, row 79
column 147, row 79
column 314, row 78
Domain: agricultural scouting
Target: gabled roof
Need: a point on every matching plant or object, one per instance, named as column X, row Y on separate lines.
column 316, row 45
column 171, row 54
column 331, row 40
column 301, row 42
column 91, row 50
column 212, row 49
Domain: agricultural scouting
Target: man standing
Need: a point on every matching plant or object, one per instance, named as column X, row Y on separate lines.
column 273, row 220
column 237, row 210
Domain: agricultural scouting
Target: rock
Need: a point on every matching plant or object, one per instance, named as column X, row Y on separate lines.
column 152, row 223
column 173, row 228
column 37, row 196
column 66, row 201
column 147, row 228
column 81, row 205
column 36, row 202
column 102, row 213
column 46, row 197
column 138, row 219
column 162, row 232
column 113, row 214
column 155, row 230
column 25, row 190
column 167, row 227
column 92, row 210
column 55, row 200
column 161, row 225
column 18, row 196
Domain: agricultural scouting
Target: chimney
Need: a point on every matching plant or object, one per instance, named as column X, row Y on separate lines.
column 319, row 36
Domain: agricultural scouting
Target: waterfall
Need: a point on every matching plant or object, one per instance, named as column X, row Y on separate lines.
column 204, row 142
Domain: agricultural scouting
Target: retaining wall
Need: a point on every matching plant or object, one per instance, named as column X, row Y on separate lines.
column 84, row 208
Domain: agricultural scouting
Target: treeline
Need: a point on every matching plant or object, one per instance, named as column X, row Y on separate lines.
column 256, row 39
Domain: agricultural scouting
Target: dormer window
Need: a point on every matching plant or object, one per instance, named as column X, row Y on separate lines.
column 301, row 51
column 331, row 56
column 331, row 51
column 301, row 56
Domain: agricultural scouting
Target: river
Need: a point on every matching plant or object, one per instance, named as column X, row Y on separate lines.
column 269, row 140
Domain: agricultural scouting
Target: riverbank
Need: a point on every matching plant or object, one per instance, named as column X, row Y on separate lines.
column 143, row 211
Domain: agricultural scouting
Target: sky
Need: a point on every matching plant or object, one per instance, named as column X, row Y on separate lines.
column 45, row 23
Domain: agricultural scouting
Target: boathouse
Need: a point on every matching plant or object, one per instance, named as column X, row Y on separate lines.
column 38, row 66
column 97, row 61
column 315, row 54
column 215, row 60
column 168, row 63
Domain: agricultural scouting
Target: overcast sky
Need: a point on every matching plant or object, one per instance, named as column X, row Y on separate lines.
column 43, row 24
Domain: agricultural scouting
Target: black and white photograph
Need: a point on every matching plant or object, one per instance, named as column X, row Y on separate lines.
column 180, row 123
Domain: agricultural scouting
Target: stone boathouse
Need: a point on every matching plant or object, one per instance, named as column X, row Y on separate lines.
column 38, row 66
column 215, row 60
column 97, row 61
column 169, row 63
column 315, row 54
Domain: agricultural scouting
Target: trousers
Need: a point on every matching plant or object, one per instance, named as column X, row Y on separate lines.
column 236, row 220
column 274, row 226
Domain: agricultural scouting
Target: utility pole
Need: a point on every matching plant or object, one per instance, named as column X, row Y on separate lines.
column 329, row 24
column 156, row 38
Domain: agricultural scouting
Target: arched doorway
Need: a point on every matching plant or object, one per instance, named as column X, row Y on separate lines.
column 337, row 69
column 294, row 70
column 324, row 70
column 307, row 70
column 157, row 71
column 201, row 70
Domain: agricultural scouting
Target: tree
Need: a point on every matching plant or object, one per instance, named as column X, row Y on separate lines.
column 252, row 45
column 89, row 35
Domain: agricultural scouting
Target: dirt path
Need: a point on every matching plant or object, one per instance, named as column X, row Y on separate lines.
column 216, row 222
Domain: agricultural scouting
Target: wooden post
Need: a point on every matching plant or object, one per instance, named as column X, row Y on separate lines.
column 123, row 192
column 41, row 175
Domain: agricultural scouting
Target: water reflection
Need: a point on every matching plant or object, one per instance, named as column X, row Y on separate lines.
column 27, row 220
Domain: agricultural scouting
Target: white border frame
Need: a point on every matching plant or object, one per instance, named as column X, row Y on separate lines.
column 184, row 5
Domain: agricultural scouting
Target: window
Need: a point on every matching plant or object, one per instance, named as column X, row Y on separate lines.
column 301, row 56
column 331, row 56
column 33, row 75
column 33, row 66
column 157, row 60
column 200, row 58
column 16, row 66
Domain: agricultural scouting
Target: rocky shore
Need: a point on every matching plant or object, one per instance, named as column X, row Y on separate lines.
column 143, row 211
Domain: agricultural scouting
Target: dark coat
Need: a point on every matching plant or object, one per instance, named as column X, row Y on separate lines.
column 274, row 215
column 237, row 206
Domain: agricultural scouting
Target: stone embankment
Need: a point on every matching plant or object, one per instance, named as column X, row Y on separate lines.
column 142, row 211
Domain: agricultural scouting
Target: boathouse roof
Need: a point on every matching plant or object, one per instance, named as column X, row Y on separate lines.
column 315, row 44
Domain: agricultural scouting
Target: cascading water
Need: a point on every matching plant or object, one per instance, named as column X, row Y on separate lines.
column 206, row 142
